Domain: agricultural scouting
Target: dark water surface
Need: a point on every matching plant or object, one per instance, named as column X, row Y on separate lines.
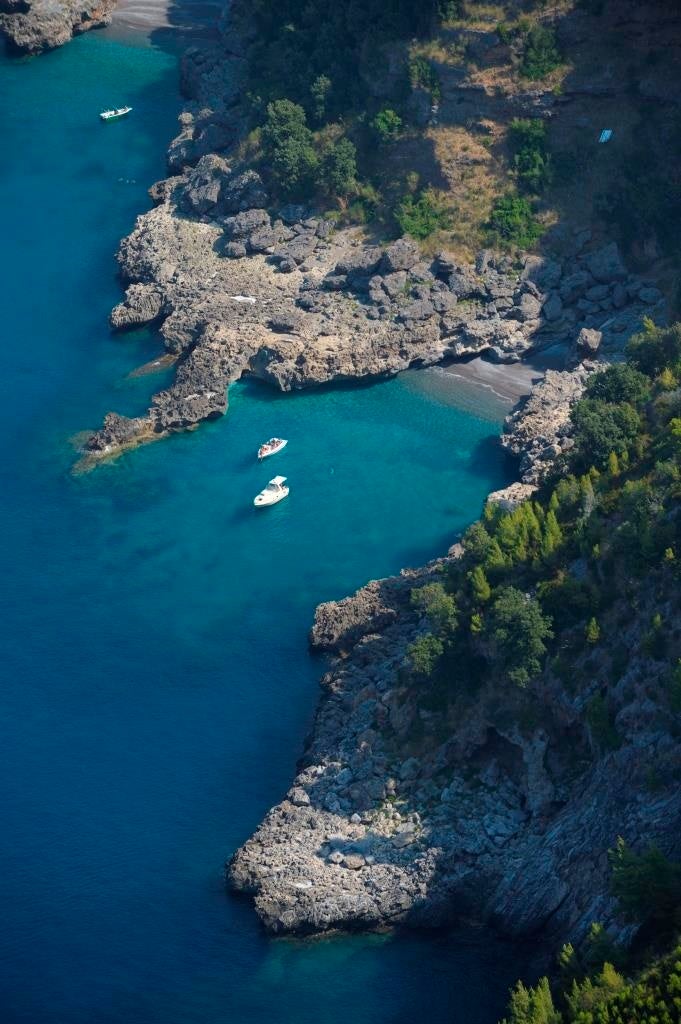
column 157, row 686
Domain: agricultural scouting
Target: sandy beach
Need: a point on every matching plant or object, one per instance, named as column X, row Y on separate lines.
column 184, row 16
column 508, row 381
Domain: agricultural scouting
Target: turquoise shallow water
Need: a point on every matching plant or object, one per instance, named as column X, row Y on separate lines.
column 157, row 686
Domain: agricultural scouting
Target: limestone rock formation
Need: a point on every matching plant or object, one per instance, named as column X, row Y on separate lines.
column 289, row 299
column 494, row 822
column 32, row 26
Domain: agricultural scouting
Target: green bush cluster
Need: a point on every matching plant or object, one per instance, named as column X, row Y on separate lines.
column 531, row 159
column 513, row 222
column 387, row 126
column 541, row 55
column 423, row 74
column 420, row 215
column 296, row 164
column 304, row 89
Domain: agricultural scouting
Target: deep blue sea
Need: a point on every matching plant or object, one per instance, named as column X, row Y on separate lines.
column 157, row 685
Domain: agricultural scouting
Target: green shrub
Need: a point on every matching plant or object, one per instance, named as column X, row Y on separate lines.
column 541, row 55
column 387, row 126
column 338, row 170
column 655, row 348
column 592, row 633
column 512, row 222
column 532, row 162
column 422, row 74
column 288, row 145
column 450, row 10
column 437, row 604
column 504, row 32
column 603, row 427
column 425, row 653
column 532, row 1005
column 319, row 91
column 518, row 630
column 619, row 383
column 419, row 216
column 480, row 585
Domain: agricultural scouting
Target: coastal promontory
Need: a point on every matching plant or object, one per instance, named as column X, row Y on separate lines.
column 32, row 26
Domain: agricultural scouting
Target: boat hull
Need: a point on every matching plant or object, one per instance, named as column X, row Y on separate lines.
column 114, row 115
column 261, row 501
column 266, row 454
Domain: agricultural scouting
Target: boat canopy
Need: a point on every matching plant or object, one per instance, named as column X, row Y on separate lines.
column 278, row 481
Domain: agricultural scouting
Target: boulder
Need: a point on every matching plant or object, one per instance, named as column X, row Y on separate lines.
column 394, row 284
column 529, row 308
column 553, row 307
column 544, row 272
column 401, row 255
column 420, row 309
column 619, row 296
column 243, row 192
column 201, row 194
column 588, row 341
column 574, row 286
column 292, row 213
column 234, row 250
column 597, row 292
column 606, row 264
column 245, row 223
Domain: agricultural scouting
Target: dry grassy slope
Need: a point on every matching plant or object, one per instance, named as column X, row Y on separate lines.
column 621, row 67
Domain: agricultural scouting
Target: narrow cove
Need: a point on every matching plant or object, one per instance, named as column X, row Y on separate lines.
column 158, row 686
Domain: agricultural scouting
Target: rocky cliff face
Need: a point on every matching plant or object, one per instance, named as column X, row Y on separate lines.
column 31, row 26
column 404, row 814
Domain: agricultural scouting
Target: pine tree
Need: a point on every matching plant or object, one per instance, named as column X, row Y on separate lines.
column 532, row 1005
column 593, row 632
column 613, row 464
column 480, row 586
column 552, row 535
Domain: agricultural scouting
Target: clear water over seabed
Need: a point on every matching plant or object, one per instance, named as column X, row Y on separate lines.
column 157, row 686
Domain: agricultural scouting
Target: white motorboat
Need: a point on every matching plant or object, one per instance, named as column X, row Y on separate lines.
column 275, row 491
column 113, row 115
column 271, row 447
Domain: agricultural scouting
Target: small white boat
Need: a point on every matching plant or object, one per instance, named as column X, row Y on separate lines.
column 275, row 491
column 271, row 447
column 113, row 115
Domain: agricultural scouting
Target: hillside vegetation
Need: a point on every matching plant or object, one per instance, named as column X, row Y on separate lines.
column 549, row 585
column 465, row 123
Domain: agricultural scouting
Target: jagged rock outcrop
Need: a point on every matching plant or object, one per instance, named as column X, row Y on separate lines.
column 540, row 430
column 32, row 26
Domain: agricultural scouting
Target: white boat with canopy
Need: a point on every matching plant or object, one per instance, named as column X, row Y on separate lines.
column 271, row 447
column 275, row 491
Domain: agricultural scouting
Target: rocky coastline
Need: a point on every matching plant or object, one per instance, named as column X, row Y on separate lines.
column 483, row 821
column 290, row 300
column 33, row 26
column 238, row 286
column 396, row 815
column 401, row 815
